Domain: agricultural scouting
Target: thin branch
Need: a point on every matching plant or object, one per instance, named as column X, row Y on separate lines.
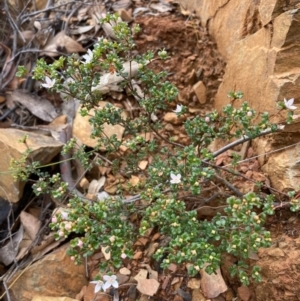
column 240, row 141
column 231, row 187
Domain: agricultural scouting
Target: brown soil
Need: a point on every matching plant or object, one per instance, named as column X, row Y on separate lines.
column 193, row 55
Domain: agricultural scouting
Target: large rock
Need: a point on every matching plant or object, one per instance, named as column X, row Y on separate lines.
column 260, row 40
column 55, row 275
column 283, row 168
column 44, row 148
column 82, row 129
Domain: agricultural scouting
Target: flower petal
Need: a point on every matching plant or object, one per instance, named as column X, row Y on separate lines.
column 97, row 288
column 106, row 285
column 106, row 277
column 115, row 284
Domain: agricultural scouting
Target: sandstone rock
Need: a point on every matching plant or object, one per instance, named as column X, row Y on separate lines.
column 197, row 295
column 232, row 23
column 205, row 9
column 269, row 9
column 55, row 275
column 283, row 168
column 173, row 118
column 276, row 252
column 200, row 91
column 194, row 283
column 212, row 285
column 82, row 129
column 44, row 148
column 260, row 41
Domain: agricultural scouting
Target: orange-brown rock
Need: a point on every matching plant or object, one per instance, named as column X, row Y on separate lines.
column 260, row 42
column 55, row 275
column 43, row 147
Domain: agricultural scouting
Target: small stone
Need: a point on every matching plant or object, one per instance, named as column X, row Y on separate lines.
column 169, row 127
column 125, row 15
column 151, row 249
column 197, row 295
column 173, row 267
column 282, row 245
column 244, row 293
column 200, row 91
column 276, row 252
column 194, row 283
column 122, row 278
column 142, row 241
column 173, row 118
column 84, row 183
column 2, row 99
column 178, row 298
column 155, row 237
column 143, row 164
column 138, row 255
column 125, row 271
column 142, row 274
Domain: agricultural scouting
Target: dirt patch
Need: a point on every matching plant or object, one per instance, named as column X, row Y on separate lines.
column 193, row 55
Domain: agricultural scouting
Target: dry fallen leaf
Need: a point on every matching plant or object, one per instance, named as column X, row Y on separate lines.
column 40, row 107
column 161, row 7
column 61, row 42
column 81, row 29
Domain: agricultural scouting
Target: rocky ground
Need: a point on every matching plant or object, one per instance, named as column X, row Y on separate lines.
column 196, row 68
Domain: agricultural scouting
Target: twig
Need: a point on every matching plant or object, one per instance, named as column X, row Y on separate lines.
column 11, row 20
column 231, row 187
column 239, row 141
column 45, row 10
column 163, row 138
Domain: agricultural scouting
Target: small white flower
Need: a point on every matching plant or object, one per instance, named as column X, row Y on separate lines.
column 175, row 179
column 64, row 215
column 110, row 281
column 280, row 126
column 88, row 57
column 289, row 104
column 207, row 119
column 178, row 109
column 49, row 83
column 99, row 285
